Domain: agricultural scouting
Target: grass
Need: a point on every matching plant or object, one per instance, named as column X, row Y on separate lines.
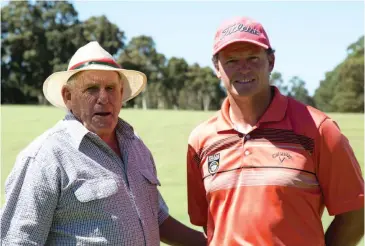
column 164, row 132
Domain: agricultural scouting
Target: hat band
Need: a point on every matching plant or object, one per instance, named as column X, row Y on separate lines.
column 110, row 63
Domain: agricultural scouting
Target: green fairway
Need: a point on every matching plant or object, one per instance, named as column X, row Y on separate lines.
column 164, row 132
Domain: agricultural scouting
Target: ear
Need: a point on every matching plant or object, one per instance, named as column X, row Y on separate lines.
column 66, row 95
column 271, row 58
column 216, row 69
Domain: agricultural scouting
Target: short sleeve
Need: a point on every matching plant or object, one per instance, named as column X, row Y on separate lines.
column 197, row 202
column 163, row 212
column 339, row 173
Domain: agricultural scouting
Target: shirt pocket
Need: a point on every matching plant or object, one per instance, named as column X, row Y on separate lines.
column 96, row 189
column 151, row 183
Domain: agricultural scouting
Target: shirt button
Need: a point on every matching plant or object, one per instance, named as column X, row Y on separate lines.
column 248, row 137
column 247, row 153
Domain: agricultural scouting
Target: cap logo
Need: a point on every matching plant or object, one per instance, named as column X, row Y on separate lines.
column 238, row 27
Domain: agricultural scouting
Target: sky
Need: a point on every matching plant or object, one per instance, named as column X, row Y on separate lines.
column 310, row 37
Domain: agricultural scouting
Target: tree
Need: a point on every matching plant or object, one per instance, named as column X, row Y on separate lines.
column 324, row 93
column 349, row 91
column 21, row 37
column 277, row 80
column 342, row 90
column 141, row 54
column 202, row 90
column 39, row 38
column 175, row 78
column 33, row 37
column 298, row 91
column 106, row 33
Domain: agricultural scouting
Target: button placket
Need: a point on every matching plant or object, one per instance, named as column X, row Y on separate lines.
column 246, row 151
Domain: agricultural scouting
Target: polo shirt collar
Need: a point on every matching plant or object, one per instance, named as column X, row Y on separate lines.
column 274, row 113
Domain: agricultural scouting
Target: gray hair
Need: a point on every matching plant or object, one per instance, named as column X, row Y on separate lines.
column 75, row 77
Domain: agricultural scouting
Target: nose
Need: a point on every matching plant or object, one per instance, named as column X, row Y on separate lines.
column 103, row 96
column 243, row 64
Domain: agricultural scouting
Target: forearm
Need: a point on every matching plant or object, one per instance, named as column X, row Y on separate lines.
column 172, row 232
column 346, row 229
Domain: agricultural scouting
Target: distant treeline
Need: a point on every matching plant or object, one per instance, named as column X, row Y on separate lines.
column 38, row 38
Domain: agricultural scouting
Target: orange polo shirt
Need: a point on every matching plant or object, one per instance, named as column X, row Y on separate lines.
column 270, row 186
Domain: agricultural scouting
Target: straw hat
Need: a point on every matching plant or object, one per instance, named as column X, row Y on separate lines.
column 92, row 57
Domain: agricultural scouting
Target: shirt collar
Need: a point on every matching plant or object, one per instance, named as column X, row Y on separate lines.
column 78, row 131
column 274, row 113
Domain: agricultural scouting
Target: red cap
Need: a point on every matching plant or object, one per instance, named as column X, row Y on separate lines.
column 240, row 29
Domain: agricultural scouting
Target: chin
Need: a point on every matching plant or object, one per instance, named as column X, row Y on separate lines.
column 249, row 91
column 246, row 93
column 107, row 127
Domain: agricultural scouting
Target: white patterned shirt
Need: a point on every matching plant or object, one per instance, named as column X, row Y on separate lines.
column 69, row 188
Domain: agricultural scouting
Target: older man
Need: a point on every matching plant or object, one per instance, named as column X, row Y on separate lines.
column 89, row 180
column 261, row 171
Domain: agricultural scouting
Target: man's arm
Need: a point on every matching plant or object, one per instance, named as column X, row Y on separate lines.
column 197, row 201
column 346, row 229
column 31, row 198
column 172, row 232
column 342, row 185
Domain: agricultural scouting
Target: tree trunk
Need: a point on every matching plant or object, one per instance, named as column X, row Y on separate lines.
column 41, row 99
column 144, row 99
column 206, row 103
column 160, row 103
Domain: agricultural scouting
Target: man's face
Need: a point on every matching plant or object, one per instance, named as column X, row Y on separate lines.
column 95, row 98
column 244, row 68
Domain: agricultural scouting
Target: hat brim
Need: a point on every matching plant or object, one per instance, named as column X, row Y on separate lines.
column 237, row 41
column 134, row 83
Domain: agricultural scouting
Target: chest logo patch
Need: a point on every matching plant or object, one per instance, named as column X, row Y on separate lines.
column 213, row 163
column 281, row 156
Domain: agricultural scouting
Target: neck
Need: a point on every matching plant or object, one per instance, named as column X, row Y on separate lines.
column 111, row 141
column 245, row 112
column 108, row 138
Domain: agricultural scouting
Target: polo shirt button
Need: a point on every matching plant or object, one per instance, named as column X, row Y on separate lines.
column 247, row 153
column 248, row 137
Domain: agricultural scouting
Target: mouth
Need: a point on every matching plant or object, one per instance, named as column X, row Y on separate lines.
column 244, row 81
column 103, row 114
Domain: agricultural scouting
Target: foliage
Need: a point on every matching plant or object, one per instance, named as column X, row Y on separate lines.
column 39, row 37
column 295, row 88
column 342, row 90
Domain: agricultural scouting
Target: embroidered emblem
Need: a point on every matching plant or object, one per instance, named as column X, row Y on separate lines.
column 213, row 163
column 238, row 27
column 281, row 156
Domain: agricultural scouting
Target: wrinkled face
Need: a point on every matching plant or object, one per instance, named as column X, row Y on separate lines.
column 95, row 98
column 244, row 68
